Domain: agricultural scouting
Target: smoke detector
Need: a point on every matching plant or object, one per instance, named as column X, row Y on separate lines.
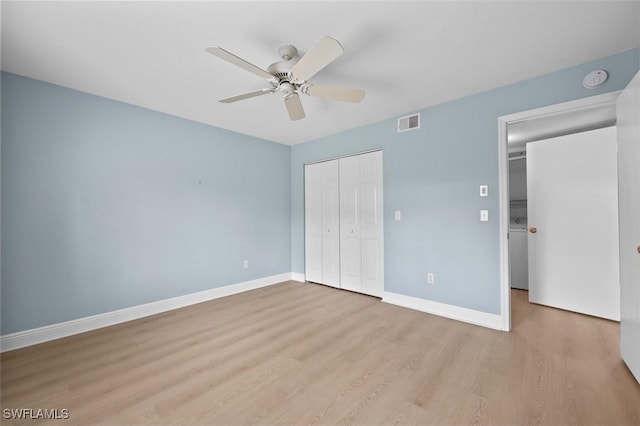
column 595, row 79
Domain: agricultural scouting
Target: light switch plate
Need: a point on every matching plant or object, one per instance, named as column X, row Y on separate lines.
column 484, row 190
column 484, row 215
column 398, row 215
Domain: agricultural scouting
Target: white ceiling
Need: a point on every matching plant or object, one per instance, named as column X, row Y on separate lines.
column 406, row 55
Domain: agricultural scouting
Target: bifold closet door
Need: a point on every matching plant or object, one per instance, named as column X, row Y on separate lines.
column 361, row 223
column 322, row 243
column 330, row 224
column 313, row 222
column 350, row 224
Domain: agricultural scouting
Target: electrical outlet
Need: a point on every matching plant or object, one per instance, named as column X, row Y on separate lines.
column 431, row 278
column 245, row 264
column 484, row 215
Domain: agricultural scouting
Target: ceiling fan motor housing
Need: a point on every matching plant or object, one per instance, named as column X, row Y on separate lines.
column 280, row 70
column 284, row 84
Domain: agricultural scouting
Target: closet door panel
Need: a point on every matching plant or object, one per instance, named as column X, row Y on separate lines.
column 369, row 260
column 350, row 259
column 314, row 259
column 350, row 264
column 371, row 223
column 330, row 224
column 313, row 222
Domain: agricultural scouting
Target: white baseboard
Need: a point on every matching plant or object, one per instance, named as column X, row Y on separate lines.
column 296, row 276
column 34, row 336
column 448, row 311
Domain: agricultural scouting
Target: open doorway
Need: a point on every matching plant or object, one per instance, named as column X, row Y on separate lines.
column 518, row 251
column 515, row 132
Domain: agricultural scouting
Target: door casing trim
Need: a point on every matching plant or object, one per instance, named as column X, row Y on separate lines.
column 503, row 181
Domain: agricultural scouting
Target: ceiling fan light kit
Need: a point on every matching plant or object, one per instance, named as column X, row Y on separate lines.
column 288, row 77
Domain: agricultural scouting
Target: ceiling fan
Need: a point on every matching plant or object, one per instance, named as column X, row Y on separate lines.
column 289, row 77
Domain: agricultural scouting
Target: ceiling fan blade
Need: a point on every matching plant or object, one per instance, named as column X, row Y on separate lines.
column 294, row 106
column 318, row 57
column 246, row 96
column 239, row 62
column 335, row 93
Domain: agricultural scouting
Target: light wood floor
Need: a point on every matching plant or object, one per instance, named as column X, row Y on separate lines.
column 308, row 354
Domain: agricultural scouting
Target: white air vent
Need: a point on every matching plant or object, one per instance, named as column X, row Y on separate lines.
column 410, row 122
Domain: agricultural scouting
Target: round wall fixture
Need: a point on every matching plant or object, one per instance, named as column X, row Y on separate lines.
column 595, row 79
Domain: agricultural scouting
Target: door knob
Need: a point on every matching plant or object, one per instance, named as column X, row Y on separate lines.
column 533, row 229
column 639, row 249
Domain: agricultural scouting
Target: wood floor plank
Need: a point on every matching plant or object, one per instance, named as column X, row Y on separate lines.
column 308, row 354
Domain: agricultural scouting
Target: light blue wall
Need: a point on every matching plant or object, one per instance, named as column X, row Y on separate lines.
column 106, row 205
column 433, row 175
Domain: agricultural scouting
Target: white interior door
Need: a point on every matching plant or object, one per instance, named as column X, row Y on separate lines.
column 313, row 222
column 330, row 224
column 573, row 206
column 628, row 124
column 350, row 261
column 371, row 222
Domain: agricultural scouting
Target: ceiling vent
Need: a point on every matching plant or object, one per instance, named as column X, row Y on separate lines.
column 410, row 122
